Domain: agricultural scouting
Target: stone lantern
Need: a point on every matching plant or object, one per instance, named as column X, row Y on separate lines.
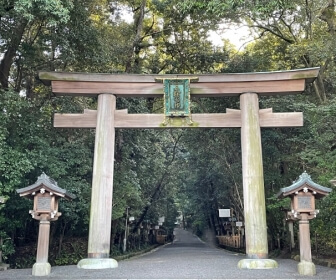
column 303, row 193
column 45, row 193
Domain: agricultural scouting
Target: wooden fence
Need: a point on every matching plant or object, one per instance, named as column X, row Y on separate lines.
column 230, row 241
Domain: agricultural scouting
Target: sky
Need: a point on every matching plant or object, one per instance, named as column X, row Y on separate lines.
column 237, row 35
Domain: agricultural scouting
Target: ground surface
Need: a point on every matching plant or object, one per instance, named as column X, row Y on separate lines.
column 186, row 258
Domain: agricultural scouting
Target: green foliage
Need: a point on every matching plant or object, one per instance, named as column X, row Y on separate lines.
column 72, row 252
column 198, row 226
column 235, row 9
column 15, row 159
column 53, row 10
column 7, row 247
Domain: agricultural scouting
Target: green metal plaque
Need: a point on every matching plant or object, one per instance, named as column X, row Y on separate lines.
column 177, row 97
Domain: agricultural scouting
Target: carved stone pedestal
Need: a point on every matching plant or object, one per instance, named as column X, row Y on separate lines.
column 97, row 263
column 257, row 264
column 3, row 266
column 306, row 268
column 41, row 269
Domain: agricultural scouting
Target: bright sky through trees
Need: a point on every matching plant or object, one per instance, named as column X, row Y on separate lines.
column 239, row 36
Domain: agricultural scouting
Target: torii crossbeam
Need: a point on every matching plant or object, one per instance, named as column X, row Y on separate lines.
column 249, row 118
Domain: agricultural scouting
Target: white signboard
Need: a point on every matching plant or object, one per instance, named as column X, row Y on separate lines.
column 239, row 224
column 161, row 219
column 157, row 227
column 224, row 213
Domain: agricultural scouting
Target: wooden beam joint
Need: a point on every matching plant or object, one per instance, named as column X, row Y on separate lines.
column 232, row 118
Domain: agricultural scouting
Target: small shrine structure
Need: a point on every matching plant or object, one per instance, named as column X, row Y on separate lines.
column 303, row 193
column 45, row 193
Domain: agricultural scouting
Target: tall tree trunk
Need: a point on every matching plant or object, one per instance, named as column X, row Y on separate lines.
column 60, row 242
column 328, row 15
column 113, row 232
column 155, row 194
column 7, row 60
column 132, row 65
column 160, row 184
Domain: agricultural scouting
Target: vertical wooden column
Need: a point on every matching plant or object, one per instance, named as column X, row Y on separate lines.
column 43, row 242
column 305, row 266
column 102, row 181
column 102, row 187
column 42, row 267
column 305, row 247
column 253, row 185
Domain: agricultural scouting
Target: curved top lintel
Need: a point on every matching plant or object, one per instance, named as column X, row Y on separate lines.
column 137, row 85
column 304, row 73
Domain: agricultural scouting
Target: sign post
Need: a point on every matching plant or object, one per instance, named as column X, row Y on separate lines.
column 224, row 213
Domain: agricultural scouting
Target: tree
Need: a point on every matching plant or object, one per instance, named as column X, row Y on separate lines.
column 21, row 23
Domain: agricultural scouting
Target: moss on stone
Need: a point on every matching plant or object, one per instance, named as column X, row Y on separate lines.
column 257, row 264
column 178, row 122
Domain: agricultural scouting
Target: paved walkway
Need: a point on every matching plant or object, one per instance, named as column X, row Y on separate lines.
column 186, row 258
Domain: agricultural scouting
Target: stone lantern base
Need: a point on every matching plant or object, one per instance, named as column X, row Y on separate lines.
column 41, row 269
column 3, row 266
column 257, row 264
column 306, row 268
column 92, row 263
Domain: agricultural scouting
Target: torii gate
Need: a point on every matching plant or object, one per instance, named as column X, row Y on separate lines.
column 249, row 118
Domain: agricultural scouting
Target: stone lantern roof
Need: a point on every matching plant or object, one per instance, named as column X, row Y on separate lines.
column 306, row 184
column 48, row 184
column 333, row 181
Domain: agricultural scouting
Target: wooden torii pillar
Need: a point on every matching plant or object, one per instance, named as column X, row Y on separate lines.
column 249, row 118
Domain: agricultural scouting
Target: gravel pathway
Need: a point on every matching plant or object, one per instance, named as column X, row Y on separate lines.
column 186, row 258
